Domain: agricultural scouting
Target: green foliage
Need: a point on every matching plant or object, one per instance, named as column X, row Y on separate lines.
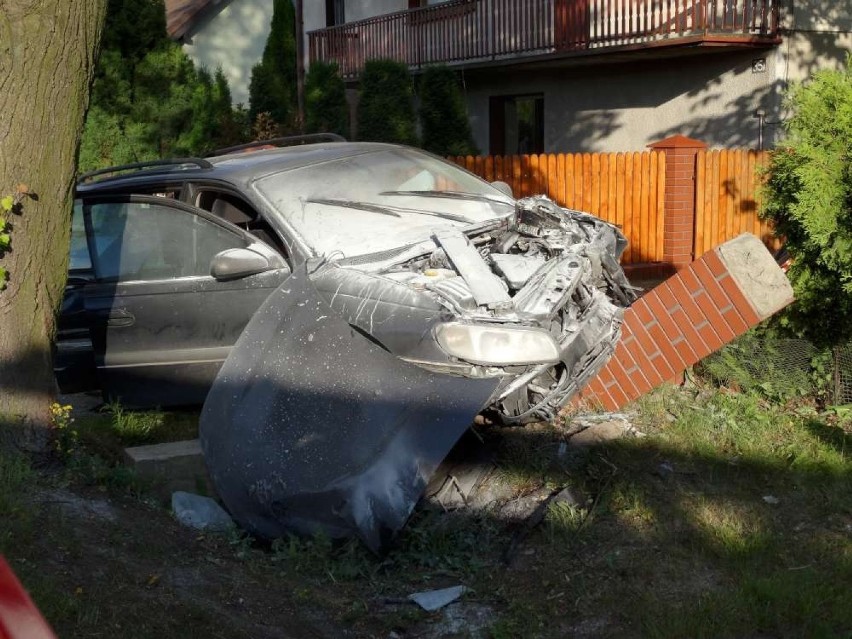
column 774, row 367
column 148, row 99
column 272, row 88
column 386, row 108
column 10, row 204
column 326, row 110
column 443, row 114
column 809, row 198
column 6, row 205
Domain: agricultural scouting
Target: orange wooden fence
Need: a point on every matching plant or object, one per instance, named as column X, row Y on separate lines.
column 727, row 198
column 627, row 189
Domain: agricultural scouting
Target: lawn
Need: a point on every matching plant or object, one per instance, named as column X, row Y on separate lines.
column 731, row 517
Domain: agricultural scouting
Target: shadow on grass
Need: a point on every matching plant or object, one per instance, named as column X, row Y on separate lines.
column 709, row 527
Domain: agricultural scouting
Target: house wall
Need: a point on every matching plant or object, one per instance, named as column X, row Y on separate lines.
column 232, row 38
column 820, row 37
column 711, row 97
column 626, row 106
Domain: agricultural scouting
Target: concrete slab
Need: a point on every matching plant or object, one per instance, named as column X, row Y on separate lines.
column 173, row 466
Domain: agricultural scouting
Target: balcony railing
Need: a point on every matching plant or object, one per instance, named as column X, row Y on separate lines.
column 481, row 30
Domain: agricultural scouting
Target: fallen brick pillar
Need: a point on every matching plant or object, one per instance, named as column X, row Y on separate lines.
column 692, row 314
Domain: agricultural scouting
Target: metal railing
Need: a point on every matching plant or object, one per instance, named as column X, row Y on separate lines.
column 481, row 30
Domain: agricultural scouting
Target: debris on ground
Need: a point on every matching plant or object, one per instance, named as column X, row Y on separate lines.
column 665, row 470
column 568, row 496
column 592, row 430
column 432, row 600
column 463, row 619
column 200, row 513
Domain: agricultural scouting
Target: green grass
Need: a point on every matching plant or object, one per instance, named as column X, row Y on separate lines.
column 115, row 428
column 746, row 534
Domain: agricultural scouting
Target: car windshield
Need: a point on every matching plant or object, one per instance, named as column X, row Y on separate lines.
column 380, row 200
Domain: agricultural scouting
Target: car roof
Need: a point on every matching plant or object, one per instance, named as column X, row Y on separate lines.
column 235, row 168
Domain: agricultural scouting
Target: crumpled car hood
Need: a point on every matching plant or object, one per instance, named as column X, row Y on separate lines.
column 310, row 427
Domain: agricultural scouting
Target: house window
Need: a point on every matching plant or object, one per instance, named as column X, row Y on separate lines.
column 517, row 124
column 334, row 13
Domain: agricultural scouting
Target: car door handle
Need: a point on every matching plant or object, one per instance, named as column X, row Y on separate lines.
column 117, row 317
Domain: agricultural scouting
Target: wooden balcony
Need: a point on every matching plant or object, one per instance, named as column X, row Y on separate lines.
column 483, row 31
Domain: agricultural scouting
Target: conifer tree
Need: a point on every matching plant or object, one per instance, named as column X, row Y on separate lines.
column 443, row 114
column 326, row 110
column 808, row 196
column 386, row 107
column 272, row 88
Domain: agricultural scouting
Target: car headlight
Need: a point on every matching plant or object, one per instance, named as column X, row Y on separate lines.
column 497, row 345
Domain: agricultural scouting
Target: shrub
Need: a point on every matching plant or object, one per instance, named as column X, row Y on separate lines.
column 808, row 196
column 148, row 99
column 386, row 107
column 272, row 88
column 443, row 114
column 326, row 110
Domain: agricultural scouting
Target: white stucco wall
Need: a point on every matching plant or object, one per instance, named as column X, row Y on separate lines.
column 232, row 38
column 625, row 107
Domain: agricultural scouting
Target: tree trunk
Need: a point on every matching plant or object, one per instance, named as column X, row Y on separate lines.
column 47, row 55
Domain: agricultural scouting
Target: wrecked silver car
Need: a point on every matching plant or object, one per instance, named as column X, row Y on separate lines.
column 374, row 300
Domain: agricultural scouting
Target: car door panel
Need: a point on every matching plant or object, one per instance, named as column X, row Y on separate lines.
column 159, row 340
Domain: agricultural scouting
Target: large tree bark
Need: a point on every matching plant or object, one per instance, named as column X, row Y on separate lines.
column 47, row 55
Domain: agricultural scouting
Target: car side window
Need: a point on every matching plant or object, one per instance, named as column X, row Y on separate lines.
column 80, row 260
column 145, row 241
column 239, row 213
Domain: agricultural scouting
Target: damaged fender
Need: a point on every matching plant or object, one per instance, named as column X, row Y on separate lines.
column 312, row 427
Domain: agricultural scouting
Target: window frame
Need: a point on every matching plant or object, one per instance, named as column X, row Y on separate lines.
column 153, row 200
column 497, row 123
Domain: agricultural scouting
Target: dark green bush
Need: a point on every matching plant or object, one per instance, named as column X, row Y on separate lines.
column 386, row 107
column 272, row 88
column 808, row 196
column 148, row 99
column 443, row 114
column 326, row 110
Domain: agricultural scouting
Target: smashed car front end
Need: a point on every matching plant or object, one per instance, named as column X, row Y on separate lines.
column 534, row 300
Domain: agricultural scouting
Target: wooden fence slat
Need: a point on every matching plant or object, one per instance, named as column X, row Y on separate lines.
column 577, row 189
column 620, row 173
column 714, row 204
column 636, row 218
column 561, row 198
column 700, row 179
column 613, row 187
column 730, row 193
column 587, row 183
column 627, row 222
column 645, row 224
column 661, row 206
column 594, row 184
column 603, row 203
column 552, row 178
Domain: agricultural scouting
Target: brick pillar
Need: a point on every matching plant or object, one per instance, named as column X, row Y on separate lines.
column 679, row 223
column 717, row 298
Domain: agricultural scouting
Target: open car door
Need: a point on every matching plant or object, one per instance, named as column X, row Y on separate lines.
column 171, row 288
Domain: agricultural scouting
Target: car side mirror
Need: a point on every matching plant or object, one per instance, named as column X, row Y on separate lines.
column 235, row 263
column 503, row 188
